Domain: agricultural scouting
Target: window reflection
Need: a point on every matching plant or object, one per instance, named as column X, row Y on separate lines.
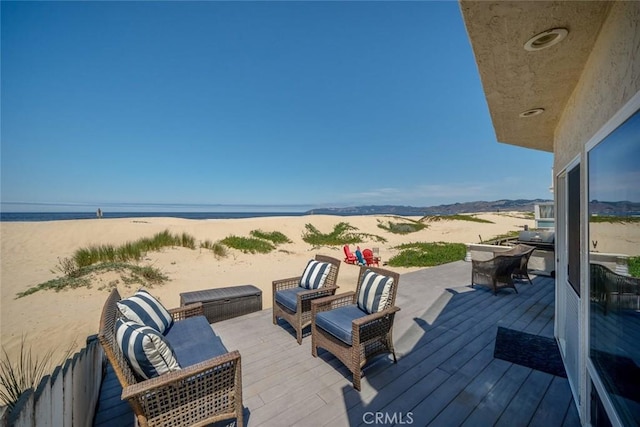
column 614, row 256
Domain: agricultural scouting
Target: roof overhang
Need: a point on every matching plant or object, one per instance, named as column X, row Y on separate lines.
column 516, row 80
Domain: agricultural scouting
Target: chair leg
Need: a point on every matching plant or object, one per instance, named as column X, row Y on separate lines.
column 356, row 379
column 299, row 335
column 314, row 349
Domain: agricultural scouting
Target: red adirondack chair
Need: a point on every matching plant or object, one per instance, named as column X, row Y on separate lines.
column 349, row 257
column 370, row 258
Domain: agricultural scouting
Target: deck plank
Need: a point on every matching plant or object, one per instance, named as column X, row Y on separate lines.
column 446, row 373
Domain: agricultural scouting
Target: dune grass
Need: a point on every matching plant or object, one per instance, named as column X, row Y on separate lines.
column 218, row 249
column 343, row 234
column 421, row 254
column 17, row 376
column 404, row 226
column 102, row 258
column 131, row 251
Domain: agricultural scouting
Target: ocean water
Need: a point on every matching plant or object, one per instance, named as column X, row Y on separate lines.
column 61, row 216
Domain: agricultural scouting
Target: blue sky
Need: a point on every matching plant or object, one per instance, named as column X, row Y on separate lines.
column 253, row 105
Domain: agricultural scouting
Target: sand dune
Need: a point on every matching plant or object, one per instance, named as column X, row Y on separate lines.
column 56, row 320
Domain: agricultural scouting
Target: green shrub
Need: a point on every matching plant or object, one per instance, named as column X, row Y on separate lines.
column 634, row 266
column 144, row 275
column 614, row 219
column 507, row 235
column 248, row 244
column 343, row 234
column 405, row 227
column 427, row 254
column 67, row 266
column 275, row 237
column 434, row 218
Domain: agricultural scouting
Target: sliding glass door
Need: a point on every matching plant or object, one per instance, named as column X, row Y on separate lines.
column 614, row 274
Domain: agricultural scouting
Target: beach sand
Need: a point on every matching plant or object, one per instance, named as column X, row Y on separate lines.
column 56, row 321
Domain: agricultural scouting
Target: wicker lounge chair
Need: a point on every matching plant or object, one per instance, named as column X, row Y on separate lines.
column 496, row 273
column 198, row 394
column 353, row 335
column 292, row 303
column 613, row 290
column 522, row 271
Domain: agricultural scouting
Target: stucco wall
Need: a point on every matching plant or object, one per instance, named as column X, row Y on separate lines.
column 610, row 78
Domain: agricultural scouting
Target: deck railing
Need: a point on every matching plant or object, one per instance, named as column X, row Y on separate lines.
column 67, row 397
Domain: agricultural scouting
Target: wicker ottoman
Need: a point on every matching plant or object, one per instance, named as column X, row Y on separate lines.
column 225, row 303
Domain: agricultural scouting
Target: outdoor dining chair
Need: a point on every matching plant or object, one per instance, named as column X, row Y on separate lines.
column 495, row 273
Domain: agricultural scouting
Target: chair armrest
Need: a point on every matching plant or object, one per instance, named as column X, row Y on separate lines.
column 316, row 293
column 332, row 302
column 485, row 267
column 166, row 394
column 289, row 283
column 373, row 325
column 375, row 316
column 181, row 313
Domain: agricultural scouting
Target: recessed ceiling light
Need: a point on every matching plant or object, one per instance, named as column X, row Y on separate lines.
column 532, row 112
column 546, row 39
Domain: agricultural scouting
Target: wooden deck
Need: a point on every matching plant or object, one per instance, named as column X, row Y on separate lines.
column 446, row 374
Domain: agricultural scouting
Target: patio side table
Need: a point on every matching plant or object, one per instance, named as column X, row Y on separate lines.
column 225, row 303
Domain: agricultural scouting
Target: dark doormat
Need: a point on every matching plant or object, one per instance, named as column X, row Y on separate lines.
column 532, row 351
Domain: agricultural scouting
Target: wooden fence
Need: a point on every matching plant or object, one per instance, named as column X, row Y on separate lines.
column 67, row 397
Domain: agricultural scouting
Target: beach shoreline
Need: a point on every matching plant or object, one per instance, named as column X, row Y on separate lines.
column 56, row 321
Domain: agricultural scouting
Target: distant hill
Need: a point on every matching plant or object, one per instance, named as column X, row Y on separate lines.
column 520, row 205
column 614, row 208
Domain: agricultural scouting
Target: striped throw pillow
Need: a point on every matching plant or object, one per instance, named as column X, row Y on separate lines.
column 374, row 292
column 315, row 274
column 148, row 353
column 145, row 310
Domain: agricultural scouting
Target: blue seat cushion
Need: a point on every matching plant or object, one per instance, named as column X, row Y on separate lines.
column 289, row 297
column 339, row 322
column 193, row 341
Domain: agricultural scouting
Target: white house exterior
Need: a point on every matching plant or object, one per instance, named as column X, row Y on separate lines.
column 575, row 91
